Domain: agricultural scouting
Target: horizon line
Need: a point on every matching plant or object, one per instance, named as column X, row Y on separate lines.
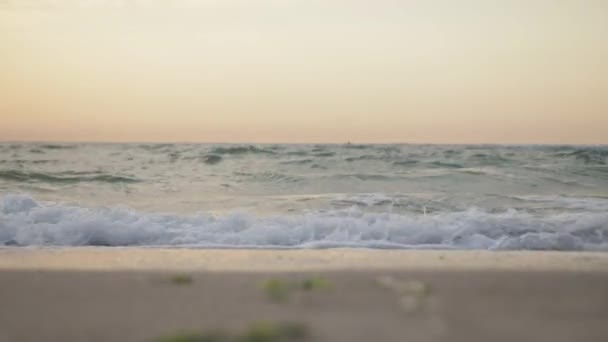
column 176, row 142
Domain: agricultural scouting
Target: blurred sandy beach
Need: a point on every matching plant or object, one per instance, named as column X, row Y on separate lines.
column 130, row 294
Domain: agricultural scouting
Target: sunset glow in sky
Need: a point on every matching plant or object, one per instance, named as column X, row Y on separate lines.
column 437, row 71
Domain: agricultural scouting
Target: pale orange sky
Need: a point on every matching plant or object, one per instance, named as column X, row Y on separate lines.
column 434, row 71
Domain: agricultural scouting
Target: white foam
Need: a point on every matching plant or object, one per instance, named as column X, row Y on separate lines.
column 27, row 222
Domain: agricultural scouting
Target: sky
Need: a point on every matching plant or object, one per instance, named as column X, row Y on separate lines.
column 432, row 71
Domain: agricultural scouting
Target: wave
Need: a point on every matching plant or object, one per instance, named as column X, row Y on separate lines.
column 236, row 150
column 27, row 222
column 490, row 159
column 324, row 154
column 441, row 164
column 297, row 161
column 590, row 155
column 268, row 177
column 58, row 147
column 211, row 159
column 485, row 171
column 356, row 146
column 365, row 157
column 408, row 162
column 297, row 153
column 64, row 177
column 589, row 203
column 26, row 161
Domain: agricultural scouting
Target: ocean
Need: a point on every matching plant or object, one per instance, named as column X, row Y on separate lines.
column 282, row 196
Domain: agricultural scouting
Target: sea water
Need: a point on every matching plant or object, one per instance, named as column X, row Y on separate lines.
column 304, row 196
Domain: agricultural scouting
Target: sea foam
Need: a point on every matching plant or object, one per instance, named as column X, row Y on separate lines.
column 25, row 221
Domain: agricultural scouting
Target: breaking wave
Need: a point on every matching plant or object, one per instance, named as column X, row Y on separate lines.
column 25, row 221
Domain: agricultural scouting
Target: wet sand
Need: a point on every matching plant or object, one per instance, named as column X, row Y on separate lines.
column 105, row 294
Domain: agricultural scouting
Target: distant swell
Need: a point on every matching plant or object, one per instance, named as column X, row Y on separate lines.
column 593, row 156
column 212, row 159
column 58, row 147
column 240, row 150
column 66, row 177
column 27, row 222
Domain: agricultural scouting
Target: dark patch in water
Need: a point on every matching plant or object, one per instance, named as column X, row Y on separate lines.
column 297, row 162
column 236, row 150
column 473, row 172
column 325, row 154
column 405, row 162
column 562, row 180
column 356, row 147
column 57, row 147
column 174, row 156
column 354, row 202
column 25, row 161
column 366, row 177
column 365, row 157
column 65, row 177
column 152, row 147
column 447, row 165
column 489, row 158
column 591, row 156
column 597, row 155
column 211, row 159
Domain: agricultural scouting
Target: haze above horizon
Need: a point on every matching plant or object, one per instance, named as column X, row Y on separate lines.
column 311, row 71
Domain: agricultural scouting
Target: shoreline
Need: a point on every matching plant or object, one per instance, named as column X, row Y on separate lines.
column 264, row 260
